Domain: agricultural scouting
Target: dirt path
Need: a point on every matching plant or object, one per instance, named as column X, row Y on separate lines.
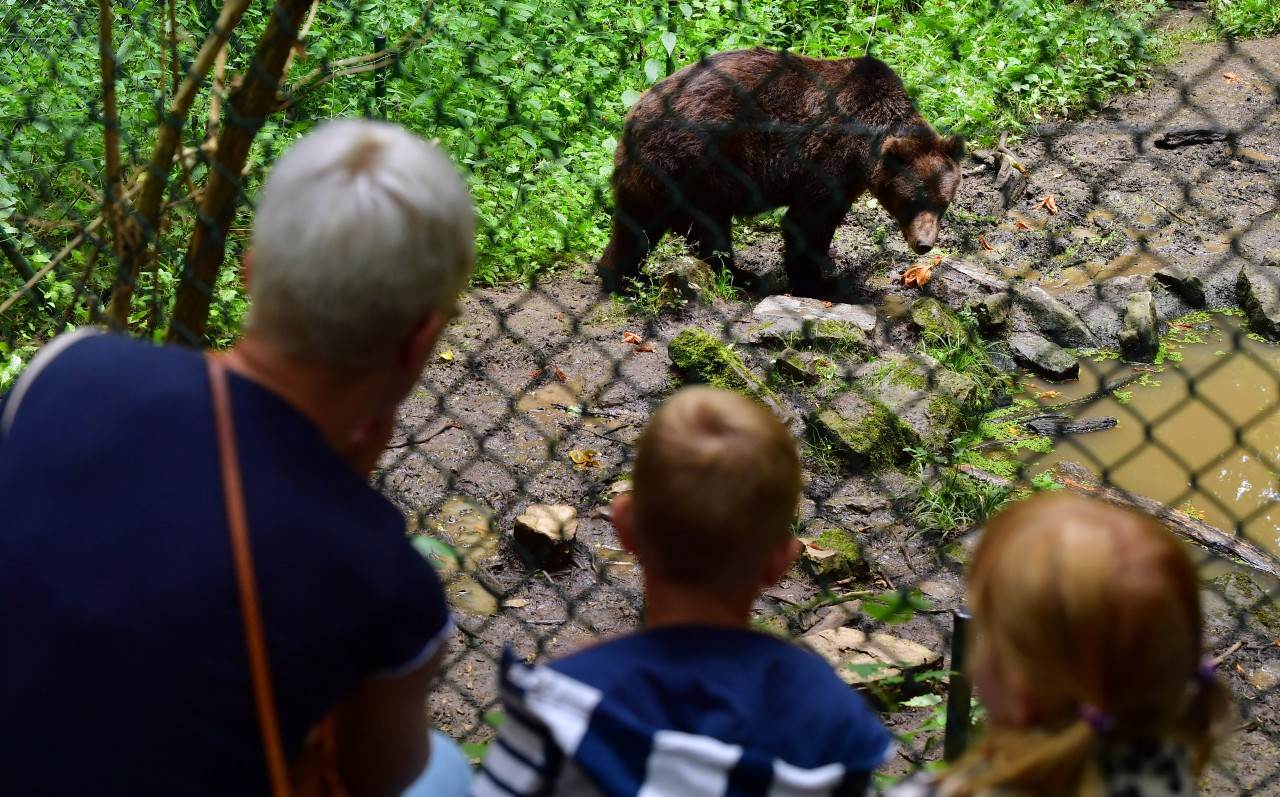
column 530, row 380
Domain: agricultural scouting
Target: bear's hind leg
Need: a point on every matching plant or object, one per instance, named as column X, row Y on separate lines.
column 711, row 239
column 628, row 247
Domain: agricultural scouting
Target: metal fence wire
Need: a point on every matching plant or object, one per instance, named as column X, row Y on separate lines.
column 1098, row 312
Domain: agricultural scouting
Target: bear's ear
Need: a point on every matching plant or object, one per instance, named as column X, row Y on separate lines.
column 953, row 147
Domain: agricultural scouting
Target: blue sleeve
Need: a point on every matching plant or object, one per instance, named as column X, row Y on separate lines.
column 415, row 621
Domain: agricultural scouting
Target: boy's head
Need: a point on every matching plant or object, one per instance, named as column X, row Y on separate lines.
column 362, row 231
column 716, row 484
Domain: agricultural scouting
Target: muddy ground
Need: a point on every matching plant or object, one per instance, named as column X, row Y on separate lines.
column 530, row 380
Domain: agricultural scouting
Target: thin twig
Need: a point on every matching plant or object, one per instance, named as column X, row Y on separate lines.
column 1217, row 660
column 1169, row 210
column 419, row 440
column 110, row 125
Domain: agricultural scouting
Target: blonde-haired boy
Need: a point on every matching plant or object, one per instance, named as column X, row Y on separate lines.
column 696, row 703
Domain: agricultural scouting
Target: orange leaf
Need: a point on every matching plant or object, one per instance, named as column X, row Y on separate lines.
column 537, row 373
column 985, row 245
column 631, row 337
column 1231, row 77
column 560, row 375
column 918, row 276
column 1022, row 225
column 643, row 348
column 826, row 304
column 1051, row 205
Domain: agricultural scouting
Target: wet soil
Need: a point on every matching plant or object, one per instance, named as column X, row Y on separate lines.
column 535, row 398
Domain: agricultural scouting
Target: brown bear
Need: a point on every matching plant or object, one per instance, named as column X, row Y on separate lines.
column 746, row 131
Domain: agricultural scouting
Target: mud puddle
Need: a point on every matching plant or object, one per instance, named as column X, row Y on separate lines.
column 1177, row 440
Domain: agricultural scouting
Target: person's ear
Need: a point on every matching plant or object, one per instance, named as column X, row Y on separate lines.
column 780, row 560
column 622, row 515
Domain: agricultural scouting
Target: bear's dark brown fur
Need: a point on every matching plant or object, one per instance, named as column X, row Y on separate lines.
column 746, row 131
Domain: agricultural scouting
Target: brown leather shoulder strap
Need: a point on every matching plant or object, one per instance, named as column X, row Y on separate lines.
column 255, row 641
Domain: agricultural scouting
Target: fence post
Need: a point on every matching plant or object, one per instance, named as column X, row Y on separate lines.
column 380, row 77
column 960, row 689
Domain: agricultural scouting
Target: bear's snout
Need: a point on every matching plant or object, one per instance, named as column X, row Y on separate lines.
column 921, row 233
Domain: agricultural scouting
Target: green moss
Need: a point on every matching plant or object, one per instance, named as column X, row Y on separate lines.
column 706, row 359
column 841, row 542
column 1005, row 468
column 1194, row 317
column 876, row 441
column 936, row 321
column 946, row 412
column 1040, row 445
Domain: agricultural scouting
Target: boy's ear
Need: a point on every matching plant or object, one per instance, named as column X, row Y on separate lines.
column 622, row 513
column 780, row 560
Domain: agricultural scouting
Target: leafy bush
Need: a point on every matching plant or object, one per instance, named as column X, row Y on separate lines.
column 1245, row 19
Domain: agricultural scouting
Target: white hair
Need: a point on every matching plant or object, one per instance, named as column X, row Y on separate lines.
column 362, row 230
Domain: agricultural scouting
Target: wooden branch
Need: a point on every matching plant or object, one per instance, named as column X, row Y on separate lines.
column 302, row 35
column 10, row 250
column 340, row 68
column 1075, row 477
column 215, row 100
column 249, row 105
column 174, row 61
column 110, row 126
column 157, row 176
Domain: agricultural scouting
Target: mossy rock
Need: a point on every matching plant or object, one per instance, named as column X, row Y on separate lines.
column 936, row 321
column 1243, row 597
column 705, row 359
column 865, row 432
column 834, row 555
column 933, row 402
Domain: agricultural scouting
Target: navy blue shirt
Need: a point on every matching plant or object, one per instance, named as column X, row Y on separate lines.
column 122, row 660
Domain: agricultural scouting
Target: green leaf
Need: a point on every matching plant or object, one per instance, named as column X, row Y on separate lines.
column 922, row 701
column 669, row 41
column 654, row 70
column 436, row 551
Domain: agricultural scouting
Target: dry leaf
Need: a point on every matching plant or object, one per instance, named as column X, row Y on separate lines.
column 1231, row 77
column 537, row 373
column 1022, row 225
column 631, row 337
column 917, row 276
column 1048, row 394
column 826, row 304
column 560, row 375
column 985, row 245
column 513, row 603
column 585, row 459
column 1048, row 204
column 447, row 355
column 643, row 348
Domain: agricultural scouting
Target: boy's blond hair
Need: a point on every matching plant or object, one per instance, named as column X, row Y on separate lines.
column 717, row 481
column 1095, row 609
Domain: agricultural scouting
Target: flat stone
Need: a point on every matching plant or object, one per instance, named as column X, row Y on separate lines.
column 936, row 321
column 867, row 660
column 618, row 488
column 1258, row 291
column 858, row 503
column 864, row 432
column 834, row 555
column 1140, row 338
column 959, row 282
column 1001, row 361
column 1102, row 305
column 1183, row 283
column 800, row 308
column 1043, row 356
column 1039, row 312
column 938, row 591
column 544, row 534
column 932, row 401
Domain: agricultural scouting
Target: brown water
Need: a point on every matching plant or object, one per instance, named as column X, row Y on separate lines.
column 1207, row 439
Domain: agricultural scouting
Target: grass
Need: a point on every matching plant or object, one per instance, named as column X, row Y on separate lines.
column 1246, row 19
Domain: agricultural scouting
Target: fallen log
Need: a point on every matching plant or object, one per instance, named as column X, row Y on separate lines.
column 1079, row 479
column 1059, row 427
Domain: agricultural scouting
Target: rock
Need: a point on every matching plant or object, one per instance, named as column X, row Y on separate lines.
column 797, row 365
column 1190, row 137
column 544, row 535
column 790, row 321
column 1243, row 601
column 865, row 433
column 939, row 591
column 1044, row 357
column 688, row 277
column 1001, row 361
column 838, row 616
column 618, row 488
column 1102, row 306
column 993, row 311
column 1140, row 338
column 958, row 554
column 859, row 502
column 705, row 359
column 1183, row 283
column 867, row 661
column 834, row 555
column 958, row 283
column 933, row 402
column 1038, row 311
column 1266, row 676
column 1258, row 291
column 936, row 321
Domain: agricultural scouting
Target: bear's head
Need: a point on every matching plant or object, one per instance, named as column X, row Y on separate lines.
column 915, row 179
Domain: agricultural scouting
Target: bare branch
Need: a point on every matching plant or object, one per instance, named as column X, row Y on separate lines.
column 110, row 125
column 157, row 177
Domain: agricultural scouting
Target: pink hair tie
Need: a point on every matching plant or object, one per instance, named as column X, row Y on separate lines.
column 1205, row 671
column 1100, row 721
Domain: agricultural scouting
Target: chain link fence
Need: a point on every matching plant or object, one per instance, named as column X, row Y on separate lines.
column 1099, row 311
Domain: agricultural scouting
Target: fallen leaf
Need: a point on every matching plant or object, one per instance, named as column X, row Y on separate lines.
column 1231, row 77
column 918, row 276
column 1048, row 394
column 826, row 304
column 513, row 603
column 1051, row 205
column 447, row 355
column 1022, row 225
column 643, row 348
column 560, row 375
column 1059, row 175
column 985, row 245
column 1240, row 670
column 631, row 337
column 585, row 459
column 1012, row 430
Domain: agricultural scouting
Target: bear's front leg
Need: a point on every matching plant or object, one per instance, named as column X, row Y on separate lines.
column 806, row 236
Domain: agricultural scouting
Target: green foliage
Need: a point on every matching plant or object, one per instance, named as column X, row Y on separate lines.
column 953, row 501
column 1246, row 19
